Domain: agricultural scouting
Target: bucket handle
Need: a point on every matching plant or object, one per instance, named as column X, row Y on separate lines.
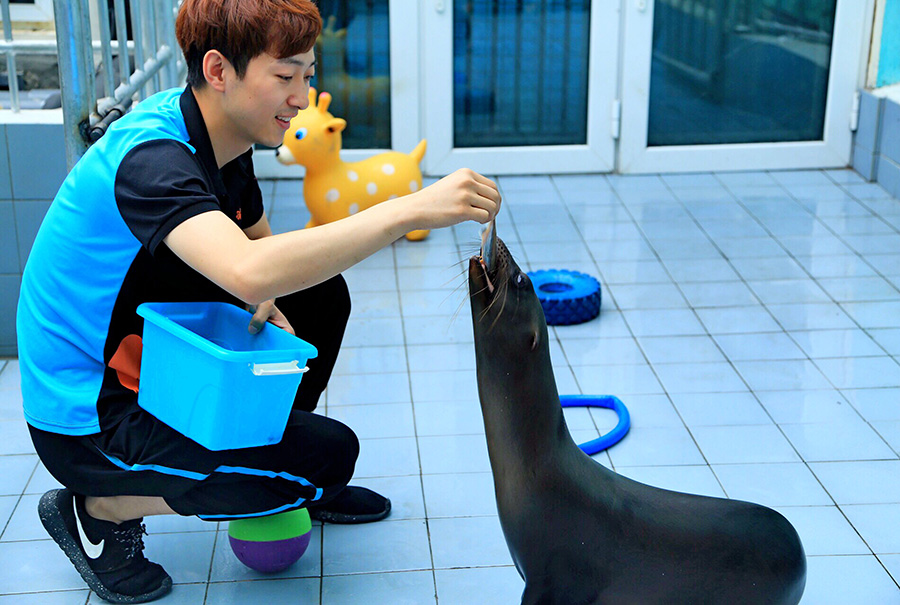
column 277, row 369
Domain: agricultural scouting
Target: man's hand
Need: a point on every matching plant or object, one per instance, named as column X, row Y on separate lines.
column 267, row 311
column 461, row 196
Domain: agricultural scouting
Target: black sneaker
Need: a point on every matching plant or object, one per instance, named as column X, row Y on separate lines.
column 352, row 505
column 113, row 562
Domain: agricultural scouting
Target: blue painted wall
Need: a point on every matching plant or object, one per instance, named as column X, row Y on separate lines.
column 889, row 59
column 32, row 167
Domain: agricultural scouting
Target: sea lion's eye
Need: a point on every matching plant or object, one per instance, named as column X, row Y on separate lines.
column 520, row 279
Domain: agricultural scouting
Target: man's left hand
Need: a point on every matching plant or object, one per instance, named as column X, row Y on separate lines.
column 268, row 312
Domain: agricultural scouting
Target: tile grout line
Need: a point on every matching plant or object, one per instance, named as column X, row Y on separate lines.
column 19, row 500
column 415, row 424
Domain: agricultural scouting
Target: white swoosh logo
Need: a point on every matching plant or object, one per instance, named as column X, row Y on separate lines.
column 90, row 549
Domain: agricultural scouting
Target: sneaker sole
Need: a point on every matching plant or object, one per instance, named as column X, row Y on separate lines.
column 55, row 525
column 345, row 519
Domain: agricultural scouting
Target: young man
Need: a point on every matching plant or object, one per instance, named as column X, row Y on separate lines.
column 165, row 207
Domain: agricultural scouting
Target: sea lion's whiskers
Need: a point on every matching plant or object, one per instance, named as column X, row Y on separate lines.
column 493, row 300
column 455, row 278
column 502, row 294
column 455, row 291
column 459, row 307
column 477, row 292
column 461, row 261
column 473, row 247
column 462, row 301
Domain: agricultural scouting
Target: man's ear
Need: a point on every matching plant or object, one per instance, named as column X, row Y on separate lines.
column 214, row 67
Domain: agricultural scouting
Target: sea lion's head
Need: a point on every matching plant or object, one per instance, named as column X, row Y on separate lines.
column 506, row 312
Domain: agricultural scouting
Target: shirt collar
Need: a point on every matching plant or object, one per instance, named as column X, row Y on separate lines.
column 199, row 138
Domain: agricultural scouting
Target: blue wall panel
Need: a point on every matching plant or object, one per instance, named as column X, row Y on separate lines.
column 9, row 298
column 32, row 167
column 5, row 185
column 29, row 214
column 864, row 162
column 890, row 131
column 9, row 248
column 889, row 175
column 37, row 160
column 869, row 121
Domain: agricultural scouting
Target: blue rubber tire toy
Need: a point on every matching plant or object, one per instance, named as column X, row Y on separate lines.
column 568, row 297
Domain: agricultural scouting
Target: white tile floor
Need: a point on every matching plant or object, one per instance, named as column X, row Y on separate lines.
column 751, row 323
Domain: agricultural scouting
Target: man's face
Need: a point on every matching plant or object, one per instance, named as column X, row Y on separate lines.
column 272, row 91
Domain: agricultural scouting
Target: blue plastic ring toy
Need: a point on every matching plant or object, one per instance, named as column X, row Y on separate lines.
column 567, row 297
column 601, row 401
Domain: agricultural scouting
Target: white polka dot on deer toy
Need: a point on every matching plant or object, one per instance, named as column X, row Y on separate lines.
column 352, row 175
column 332, row 195
column 372, row 188
column 353, row 209
column 413, row 186
column 388, row 169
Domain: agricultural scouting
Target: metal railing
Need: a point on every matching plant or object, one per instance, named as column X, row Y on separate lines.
column 692, row 37
column 158, row 63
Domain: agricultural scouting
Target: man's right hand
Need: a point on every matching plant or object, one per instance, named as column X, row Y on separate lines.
column 463, row 195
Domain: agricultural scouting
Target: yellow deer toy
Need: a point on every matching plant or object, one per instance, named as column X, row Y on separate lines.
column 334, row 189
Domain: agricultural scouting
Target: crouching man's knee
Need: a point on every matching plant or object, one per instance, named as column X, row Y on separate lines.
column 343, row 451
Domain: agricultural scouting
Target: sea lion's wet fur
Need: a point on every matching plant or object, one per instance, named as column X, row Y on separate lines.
column 581, row 534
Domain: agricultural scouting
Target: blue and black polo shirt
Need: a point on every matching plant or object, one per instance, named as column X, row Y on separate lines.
column 99, row 254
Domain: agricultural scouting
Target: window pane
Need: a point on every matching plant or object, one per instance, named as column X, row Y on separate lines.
column 353, row 64
column 739, row 71
column 520, row 72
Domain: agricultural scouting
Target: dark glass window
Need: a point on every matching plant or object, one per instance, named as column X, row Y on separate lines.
column 739, row 71
column 520, row 71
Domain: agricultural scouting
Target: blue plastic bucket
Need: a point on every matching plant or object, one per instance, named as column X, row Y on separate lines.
column 207, row 377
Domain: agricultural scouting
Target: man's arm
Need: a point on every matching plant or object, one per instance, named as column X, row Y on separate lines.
column 260, row 229
column 266, row 311
column 256, row 270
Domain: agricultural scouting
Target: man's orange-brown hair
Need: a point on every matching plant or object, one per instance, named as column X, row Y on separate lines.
column 243, row 29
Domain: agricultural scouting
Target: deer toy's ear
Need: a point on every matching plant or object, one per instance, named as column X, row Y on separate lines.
column 324, row 101
column 335, row 125
column 312, row 96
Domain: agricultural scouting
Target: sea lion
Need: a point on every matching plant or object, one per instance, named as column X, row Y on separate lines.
column 578, row 532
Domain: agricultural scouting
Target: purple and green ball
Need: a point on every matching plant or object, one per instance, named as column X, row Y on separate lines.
column 271, row 544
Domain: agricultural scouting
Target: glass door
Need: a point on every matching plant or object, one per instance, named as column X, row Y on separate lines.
column 739, row 84
column 519, row 86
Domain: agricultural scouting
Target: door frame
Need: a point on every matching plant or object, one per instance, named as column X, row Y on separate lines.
column 850, row 34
